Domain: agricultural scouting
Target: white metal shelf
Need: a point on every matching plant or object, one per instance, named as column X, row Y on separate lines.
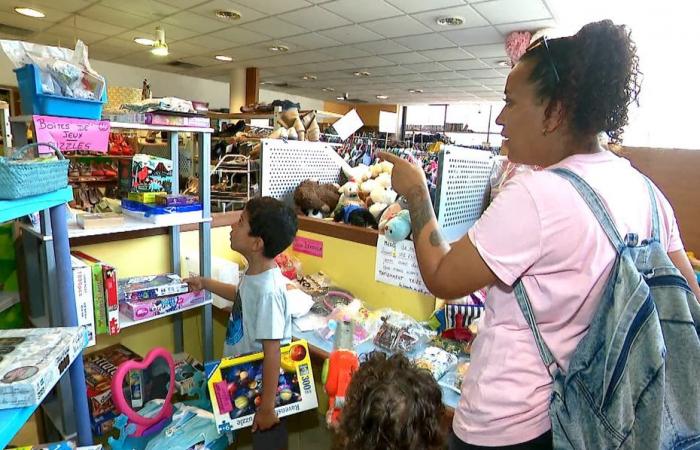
column 126, row 322
column 134, row 126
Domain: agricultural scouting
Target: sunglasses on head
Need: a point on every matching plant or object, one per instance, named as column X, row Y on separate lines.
column 542, row 42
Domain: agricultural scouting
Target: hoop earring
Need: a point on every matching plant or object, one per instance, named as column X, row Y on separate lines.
column 544, row 132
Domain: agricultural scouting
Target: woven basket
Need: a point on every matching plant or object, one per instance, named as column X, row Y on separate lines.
column 21, row 178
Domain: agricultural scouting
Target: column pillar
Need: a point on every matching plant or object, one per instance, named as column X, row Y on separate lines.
column 237, row 89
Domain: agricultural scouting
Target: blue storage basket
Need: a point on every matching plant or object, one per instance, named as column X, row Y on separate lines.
column 20, row 178
column 35, row 101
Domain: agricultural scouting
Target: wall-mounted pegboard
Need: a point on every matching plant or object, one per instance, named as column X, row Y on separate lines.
column 462, row 189
column 285, row 164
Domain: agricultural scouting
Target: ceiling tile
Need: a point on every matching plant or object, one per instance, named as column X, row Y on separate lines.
column 194, row 22
column 398, row 26
column 414, row 77
column 99, row 12
column 8, row 16
column 508, row 11
column 307, row 57
column 314, row 18
column 426, row 67
column 451, row 75
column 149, row 9
column 477, row 74
column 69, row 35
column 413, row 6
column 362, row 10
column 465, row 64
column 57, row 40
column 337, row 75
column 91, row 25
column 178, row 4
column 495, row 63
column 247, row 52
column 351, row 34
column 114, row 47
column 390, row 70
column 209, row 9
column 533, row 25
column 471, row 18
column 344, row 51
column 446, row 54
column 203, row 61
column 462, row 82
column 383, row 47
column 487, row 51
column 333, row 65
column 311, row 41
column 239, row 36
column 66, row 5
column 274, row 27
column 206, row 42
column 274, row 6
column 494, row 83
column 425, row 41
column 474, row 36
column 406, row 58
column 171, row 33
column 368, row 62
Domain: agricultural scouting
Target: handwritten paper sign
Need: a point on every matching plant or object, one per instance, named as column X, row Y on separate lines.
column 70, row 134
column 308, row 246
column 397, row 265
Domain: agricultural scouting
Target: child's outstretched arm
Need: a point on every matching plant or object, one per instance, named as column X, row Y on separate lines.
column 225, row 290
column 265, row 416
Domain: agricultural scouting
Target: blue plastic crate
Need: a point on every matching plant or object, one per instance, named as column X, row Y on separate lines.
column 35, row 101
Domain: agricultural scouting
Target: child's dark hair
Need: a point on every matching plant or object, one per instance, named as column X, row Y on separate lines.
column 599, row 77
column 272, row 221
column 391, row 404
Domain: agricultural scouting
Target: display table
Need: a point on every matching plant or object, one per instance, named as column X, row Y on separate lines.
column 321, row 348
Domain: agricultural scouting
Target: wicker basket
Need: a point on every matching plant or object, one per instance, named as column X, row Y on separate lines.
column 20, row 178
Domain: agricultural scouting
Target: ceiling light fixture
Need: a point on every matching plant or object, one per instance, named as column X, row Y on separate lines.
column 382, row 97
column 309, row 77
column 227, row 14
column 450, row 21
column 224, row 58
column 328, row 89
column 160, row 47
column 504, row 63
column 279, row 48
column 144, row 41
column 415, row 91
column 341, row 98
column 29, row 12
column 361, row 74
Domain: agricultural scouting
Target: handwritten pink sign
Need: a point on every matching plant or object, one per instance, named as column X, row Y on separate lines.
column 71, row 135
column 309, row 246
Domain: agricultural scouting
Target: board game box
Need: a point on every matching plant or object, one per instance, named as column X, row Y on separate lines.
column 144, row 309
column 235, row 386
column 100, row 367
column 33, row 360
column 150, row 286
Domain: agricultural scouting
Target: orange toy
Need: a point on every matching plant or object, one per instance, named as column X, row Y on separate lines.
column 338, row 370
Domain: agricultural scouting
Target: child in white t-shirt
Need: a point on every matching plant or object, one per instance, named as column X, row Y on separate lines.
column 260, row 319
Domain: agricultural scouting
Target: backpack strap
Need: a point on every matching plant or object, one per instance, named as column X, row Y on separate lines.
column 596, row 204
column 655, row 231
column 526, row 307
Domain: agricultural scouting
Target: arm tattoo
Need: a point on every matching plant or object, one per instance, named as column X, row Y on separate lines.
column 421, row 214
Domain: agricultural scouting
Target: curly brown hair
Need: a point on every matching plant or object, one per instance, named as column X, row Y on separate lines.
column 391, row 404
column 599, row 77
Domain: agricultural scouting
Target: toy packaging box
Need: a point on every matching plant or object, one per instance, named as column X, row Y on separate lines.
column 82, row 286
column 33, row 360
column 151, row 174
column 185, row 368
column 104, row 294
column 100, row 367
column 150, row 287
column 144, row 309
column 235, row 386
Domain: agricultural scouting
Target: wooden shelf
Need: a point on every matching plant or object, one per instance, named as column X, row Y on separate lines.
column 91, row 179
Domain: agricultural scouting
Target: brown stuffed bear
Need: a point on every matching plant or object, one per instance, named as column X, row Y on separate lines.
column 315, row 199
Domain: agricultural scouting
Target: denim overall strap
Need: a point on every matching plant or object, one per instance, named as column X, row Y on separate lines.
column 655, row 232
column 525, row 306
column 596, row 204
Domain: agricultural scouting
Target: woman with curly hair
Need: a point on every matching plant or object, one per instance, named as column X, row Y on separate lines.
column 559, row 98
column 391, row 405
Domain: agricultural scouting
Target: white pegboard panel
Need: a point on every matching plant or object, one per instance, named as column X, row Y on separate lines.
column 462, row 189
column 285, row 164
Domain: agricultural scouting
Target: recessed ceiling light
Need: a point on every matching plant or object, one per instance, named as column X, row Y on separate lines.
column 29, row 12
column 340, row 98
column 279, row 48
column 382, row 97
column 309, row 77
column 227, row 14
column 144, row 41
column 224, row 58
column 504, row 63
column 361, row 74
column 328, row 89
column 450, row 21
column 415, row 91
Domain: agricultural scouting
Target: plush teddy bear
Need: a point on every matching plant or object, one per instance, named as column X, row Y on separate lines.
column 398, row 227
column 316, row 199
column 380, row 199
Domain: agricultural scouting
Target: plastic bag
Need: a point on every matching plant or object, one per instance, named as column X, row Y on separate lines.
column 436, row 360
column 454, row 377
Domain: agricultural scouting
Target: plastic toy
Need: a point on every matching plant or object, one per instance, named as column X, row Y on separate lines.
column 338, row 370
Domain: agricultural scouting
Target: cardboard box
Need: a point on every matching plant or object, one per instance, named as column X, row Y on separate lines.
column 235, row 386
column 145, row 197
column 103, row 424
column 143, row 309
column 33, row 360
column 82, row 286
column 151, row 174
column 100, row 367
column 99, row 220
column 105, row 300
column 150, row 287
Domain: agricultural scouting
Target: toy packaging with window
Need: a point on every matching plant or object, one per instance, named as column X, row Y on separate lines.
column 150, row 287
column 32, row 360
column 235, row 386
column 100, row 367
column 145, row 309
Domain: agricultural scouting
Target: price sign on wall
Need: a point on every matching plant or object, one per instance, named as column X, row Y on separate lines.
column 71, row 135
column 397, row 265
column 308, row 246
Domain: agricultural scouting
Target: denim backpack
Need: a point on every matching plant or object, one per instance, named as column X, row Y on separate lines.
column 633, row 380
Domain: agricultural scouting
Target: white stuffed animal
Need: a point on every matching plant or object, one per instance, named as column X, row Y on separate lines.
column 384, row 180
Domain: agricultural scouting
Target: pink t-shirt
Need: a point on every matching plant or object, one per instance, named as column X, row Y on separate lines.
column 539, row 228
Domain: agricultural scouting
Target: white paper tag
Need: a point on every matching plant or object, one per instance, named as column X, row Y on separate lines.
column 348, row 124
